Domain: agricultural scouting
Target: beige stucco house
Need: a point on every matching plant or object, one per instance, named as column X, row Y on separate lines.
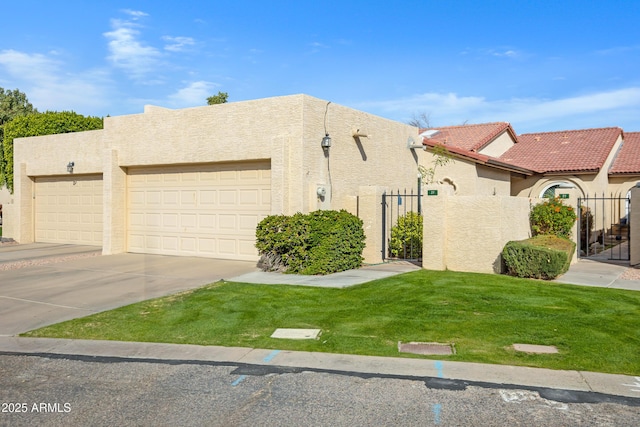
column 197, row 181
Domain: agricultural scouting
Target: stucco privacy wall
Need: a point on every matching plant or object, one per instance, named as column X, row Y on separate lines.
column 634, row 230
column 468, row 233
column 5, row 196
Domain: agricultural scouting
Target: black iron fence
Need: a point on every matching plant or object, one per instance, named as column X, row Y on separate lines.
column 402, row 225
column 604, row 227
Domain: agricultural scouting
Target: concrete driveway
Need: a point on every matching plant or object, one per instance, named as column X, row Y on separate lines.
column 62, row 282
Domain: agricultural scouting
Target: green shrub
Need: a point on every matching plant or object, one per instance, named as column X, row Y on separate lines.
column 406, row 236
column 336, row 242
column 540, row 257
column 320, row 242
column 552, row 217
column 586, row 227
column 281, row 241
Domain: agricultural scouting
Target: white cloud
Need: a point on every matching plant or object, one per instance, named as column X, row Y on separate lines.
column 177, row 44
column 48, row 87
column 194, row 94
column 608, row 108
column 126, row 49
column 507, row 53
column 135, row 14
column 35, row 67
column 317, row 47
column 618, row 50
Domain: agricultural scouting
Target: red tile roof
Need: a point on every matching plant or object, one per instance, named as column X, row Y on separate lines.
column 471, row 137
column 565, row 151
column 627, row 160
column 477, row 157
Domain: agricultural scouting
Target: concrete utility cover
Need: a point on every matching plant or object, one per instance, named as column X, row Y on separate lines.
column 426, row 348
column 532, row 348
column 296, row 334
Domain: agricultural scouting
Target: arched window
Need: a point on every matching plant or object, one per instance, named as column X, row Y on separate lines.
column 549, row 192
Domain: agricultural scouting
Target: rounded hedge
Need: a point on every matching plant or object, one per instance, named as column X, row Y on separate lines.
column 320, row 242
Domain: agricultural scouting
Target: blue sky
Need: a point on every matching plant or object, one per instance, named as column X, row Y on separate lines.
column 541, row 65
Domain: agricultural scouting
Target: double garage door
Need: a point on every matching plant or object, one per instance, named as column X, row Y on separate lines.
column 206, row 210
column 68, row 209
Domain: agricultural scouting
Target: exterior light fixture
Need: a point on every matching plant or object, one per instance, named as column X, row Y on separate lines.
column 326, row 142
column 70, row 166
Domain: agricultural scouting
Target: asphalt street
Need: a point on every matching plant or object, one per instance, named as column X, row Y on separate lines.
column 75, row 391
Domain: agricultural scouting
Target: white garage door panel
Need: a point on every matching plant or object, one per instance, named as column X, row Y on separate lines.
column 209, row 211
column 69, row 210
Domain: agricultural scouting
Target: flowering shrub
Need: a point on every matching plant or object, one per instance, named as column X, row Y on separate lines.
column 552, row 217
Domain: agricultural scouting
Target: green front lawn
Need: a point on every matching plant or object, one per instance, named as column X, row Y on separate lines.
column 595, row 329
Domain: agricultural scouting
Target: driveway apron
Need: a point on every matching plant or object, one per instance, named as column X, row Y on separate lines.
column 62, row 282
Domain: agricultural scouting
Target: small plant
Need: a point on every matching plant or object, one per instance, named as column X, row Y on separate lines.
column 406, row 236
column 586, row 227
column 441, row 157
column 552, row 217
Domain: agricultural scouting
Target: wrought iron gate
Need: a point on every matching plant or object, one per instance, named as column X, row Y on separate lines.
column 402, row 222
column 604, row 229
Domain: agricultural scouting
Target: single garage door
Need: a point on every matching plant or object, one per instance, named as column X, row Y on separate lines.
column 206, row 210
column 68, row 209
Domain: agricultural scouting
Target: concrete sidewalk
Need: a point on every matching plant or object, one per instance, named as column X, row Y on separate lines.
column 460, row 373
column 599, row 273
column 586, row 272
column 342, row 279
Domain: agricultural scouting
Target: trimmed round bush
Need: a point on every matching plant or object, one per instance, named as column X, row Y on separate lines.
column 541, row 257
column 321, row 242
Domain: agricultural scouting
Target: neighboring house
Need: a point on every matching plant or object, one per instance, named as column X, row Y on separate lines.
column 476, row 169
column 624, row 173
column 490, row 139
column 577, row 158
column 604, row 161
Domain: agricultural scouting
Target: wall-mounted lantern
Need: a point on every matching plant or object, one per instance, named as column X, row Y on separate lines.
column 326, row 142
column 70, row 166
